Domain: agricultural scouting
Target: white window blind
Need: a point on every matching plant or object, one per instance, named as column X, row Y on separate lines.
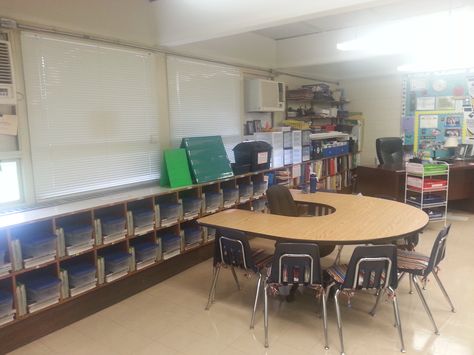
column 93, row 115
column 204, row 100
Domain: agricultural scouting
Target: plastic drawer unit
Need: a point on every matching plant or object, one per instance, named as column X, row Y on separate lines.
column 81, row 275
column 146, row 251
column 6, row 304
column 79, row 235
column 143, row 219
column 245, row 192
column 213, row 201
column 116, row 262
column 191, row 207
column 231, row 195
column 259, row 188
column 171, row 245
column 40, row 246
column 168, row 213
column 192, row 236
column 42, row 289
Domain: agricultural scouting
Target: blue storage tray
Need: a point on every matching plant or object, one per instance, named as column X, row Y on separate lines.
column 213, row 200
column 81, row 274
column 170, row 242
column 230, row 194
column 245, row 190
column 169, row 211
column 191, row 205
column 259, row 187
column 77, row 235
column 112, row 225
column 145, row 251
column 192, row 235
column 42, row 288
column 142, row 218
column 116, row 261
column 38, row 246
column 6, row 303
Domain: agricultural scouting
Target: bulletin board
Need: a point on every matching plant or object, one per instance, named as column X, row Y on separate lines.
column 434, row 107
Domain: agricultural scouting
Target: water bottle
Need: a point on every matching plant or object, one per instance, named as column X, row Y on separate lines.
column 313, row 182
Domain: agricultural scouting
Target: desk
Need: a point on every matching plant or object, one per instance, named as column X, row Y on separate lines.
column 356, row 220
column 390, row 180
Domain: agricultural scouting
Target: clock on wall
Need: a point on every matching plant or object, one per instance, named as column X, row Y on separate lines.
column 439, row 85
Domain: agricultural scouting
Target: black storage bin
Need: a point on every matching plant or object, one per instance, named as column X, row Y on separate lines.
column 317, row 150
column 258, row 154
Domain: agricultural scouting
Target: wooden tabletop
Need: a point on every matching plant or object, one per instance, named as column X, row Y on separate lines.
column 357, row 219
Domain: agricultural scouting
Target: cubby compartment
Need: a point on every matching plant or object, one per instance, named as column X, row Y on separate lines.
column 245, row 186
column 113, row 263
column 38, row 289
column 230, row 193
column 212, row 199
column 168, row 210
column 140, row 217
column 259, row 186
column 146, row 251
column 192, row 204
column 110, row 224
column 191, row 234
column 7, row 310
column 5, row 263
column 33, row 244
column 209, row 234
column 78, row 275
column 170, row 240
column 75, row 234
column 259, row 205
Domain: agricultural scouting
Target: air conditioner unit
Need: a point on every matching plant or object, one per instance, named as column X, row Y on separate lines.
column 7, row 85
column 264, row 95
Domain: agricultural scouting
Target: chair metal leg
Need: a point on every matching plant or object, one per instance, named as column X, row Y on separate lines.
column 339, row 321
column 397, row 320
column 400, row 278
column 411, row 287
column 212, row 291
column 235, row 277
column 423, row 301
column 377, row 301
column 435, row 274
column 257, row 292
column 338, row 256
column 265, row 313
column 325, row 320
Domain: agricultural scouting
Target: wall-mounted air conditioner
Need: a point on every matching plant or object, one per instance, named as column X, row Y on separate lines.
column 7, row 85
column 264, row 95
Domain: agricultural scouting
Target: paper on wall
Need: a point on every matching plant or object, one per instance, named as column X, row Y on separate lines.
column 9, row 125
column 428, row 121
column 425, row 103
column 417, row 84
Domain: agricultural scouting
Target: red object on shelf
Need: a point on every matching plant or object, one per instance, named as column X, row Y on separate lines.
column 432, row 183
column 329, row 127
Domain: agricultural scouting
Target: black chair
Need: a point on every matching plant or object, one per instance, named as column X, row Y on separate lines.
column 281, row 202
column 370, row 267
column 419, row 265
column 232, row 249
column 296, row 264
column 389, row 150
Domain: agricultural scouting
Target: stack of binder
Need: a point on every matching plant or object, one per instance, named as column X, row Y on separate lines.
column 140, row 222
column 167, row 214
column 41, row 292
column 80, row 277
column 74, row 239
column 117, row 264
column 38, row 249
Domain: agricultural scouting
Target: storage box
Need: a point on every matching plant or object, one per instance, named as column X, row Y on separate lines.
column 192, row 235
column 145, row 251
column 213, row 201
column 81, row 274
column 170, row 242
column 169, row 213
column 43, row 288
column 38, row 246
column 6, row 303
column 288, row 156
column 191, row 207
column 427, row 199
column 117, row 261
column 113, row 225
column 277, row 158
column 275, row 139
column 296, row 155
column 305, row 139
column 77, row 235
column 317, row 150
column 245, row 192
column 231, row 195
column 142, row 218
column 256, row 153
column 296, row 138
column 287, row 141
column 259, row 188
column 306, row 153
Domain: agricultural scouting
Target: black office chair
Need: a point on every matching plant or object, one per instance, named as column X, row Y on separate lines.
column 281, row 202
column 296, row 264
column 232, row 249
column 389, row 150
column 370, row 267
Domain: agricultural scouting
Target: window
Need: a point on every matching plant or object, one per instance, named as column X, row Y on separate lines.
column 93, row 115
column 204, row 100
column 9, row 182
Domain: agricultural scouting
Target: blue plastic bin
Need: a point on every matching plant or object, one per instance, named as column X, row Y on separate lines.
column 6, row 303
column 170, row 242
column 116, row 261
column 77, row 235
column 191, row 205
column 192, row 235
column 230, row 194
column 245, row 190
column 169, row 210
column 42, row 288
column 145, row 251
column 38, row 246
column 81, row 274
column 112, row 225
column 259, row 187
column 213, row 200
column 142, row 218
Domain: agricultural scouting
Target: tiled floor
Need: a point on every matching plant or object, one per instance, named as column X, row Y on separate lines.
column 169, row 318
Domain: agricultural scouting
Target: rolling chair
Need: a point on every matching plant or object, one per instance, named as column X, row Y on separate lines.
column 389, row 150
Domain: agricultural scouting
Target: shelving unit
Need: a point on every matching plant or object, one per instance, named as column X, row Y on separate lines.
column 427, row 187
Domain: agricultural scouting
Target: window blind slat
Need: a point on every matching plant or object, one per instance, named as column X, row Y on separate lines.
column 92, row 113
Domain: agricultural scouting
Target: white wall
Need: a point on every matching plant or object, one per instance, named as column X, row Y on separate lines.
column 379, row 98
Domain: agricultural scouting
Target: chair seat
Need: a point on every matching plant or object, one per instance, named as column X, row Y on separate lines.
column 411, row 261
column 338, row 274
column 261, row 258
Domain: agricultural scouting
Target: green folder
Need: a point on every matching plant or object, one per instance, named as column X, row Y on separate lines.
column 175, row 172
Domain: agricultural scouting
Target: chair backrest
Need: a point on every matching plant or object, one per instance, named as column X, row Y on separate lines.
column 281, row 202
column 439, row 249
column 372, row 267
column 296, row 263
column 232, row 248
column 389, row 150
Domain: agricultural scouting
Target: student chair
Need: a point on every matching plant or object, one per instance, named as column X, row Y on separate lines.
column 419, row 265
column 370, row 267
column 389, row 150
column 281, row 202
column 231, row 250
column 296, row 264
